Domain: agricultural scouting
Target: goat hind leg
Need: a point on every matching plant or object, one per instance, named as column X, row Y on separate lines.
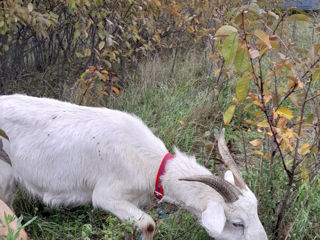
column 124, row 210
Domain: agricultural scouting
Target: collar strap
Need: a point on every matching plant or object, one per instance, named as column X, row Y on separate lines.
column 158, row 190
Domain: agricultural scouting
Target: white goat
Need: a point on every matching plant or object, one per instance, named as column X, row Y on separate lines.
column 69, row 155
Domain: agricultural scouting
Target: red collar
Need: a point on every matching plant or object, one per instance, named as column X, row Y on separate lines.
column 158, row 190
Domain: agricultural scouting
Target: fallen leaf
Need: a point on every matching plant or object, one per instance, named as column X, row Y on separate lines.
column 116, row 90
column 256, row 142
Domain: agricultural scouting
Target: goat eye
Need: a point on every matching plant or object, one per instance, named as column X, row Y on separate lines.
column 238, row 225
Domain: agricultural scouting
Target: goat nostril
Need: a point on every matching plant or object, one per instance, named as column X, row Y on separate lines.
column 150, row 228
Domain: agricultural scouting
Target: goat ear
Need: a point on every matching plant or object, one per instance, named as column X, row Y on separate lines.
column 213, row 218
column 176, row 150
column 228, row 176
column 178, row 153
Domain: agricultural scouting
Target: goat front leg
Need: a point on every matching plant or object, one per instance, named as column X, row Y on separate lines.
column 124, row 210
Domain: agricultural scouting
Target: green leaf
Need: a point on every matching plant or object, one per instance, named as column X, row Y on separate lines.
column 229, row 47
column 225, row 31
column 242, row 88
column 3, row 134
column 299, row 17
column 227, row 116
column 316, row 75
column 101, row 45
column 242, row 60
column 310, row 118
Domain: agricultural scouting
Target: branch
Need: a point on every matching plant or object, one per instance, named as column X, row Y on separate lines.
column 291, row 90
column 278, row 24
column 313, row 97
column 264, row 107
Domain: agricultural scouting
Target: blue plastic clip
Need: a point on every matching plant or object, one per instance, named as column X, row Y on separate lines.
column 162, row 214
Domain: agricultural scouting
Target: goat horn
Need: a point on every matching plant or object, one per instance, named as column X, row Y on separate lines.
column 229, row 192
column 228, row 160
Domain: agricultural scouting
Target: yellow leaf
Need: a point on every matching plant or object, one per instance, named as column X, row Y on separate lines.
column 263, row 51
column 214, row 56
column 304, row 149
column 289, row 163
column 235, row 101
column 104, row 72
column 247, row 107
column 256, row 142
column 251, row 122
column 101, row 45
column 273, row 15
column 257, row 153
column 227, row 116
column 267, row 98
column 267, row 156
column 85, row 33
column 299, row 17
column 282, row 122
column 294, row 99
column 181, row 122
column 105, row 93
column 116, row 90
column 256, row 102
column 314, row 149
column 284, row 112
column 157, row 3
column 263, row 36
column 217, row 71
column 263, row 124
column 316, row 75
column 253, row 96
column 258, row 113
column 304, row 171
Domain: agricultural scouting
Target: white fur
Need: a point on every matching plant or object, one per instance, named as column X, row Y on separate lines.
column 66, row 154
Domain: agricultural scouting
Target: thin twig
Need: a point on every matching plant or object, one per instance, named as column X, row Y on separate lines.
column 311, row 98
